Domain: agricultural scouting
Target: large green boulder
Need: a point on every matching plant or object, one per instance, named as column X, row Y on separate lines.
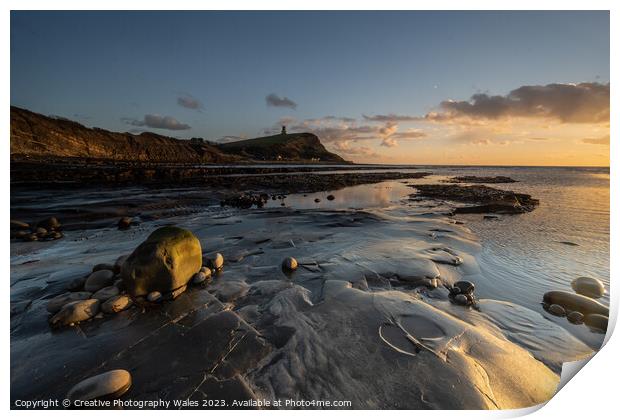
column 167, row 260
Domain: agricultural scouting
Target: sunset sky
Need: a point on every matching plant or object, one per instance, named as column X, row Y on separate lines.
column 489, row 88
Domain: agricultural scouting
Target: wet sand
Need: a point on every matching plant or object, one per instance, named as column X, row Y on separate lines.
column 359, row 319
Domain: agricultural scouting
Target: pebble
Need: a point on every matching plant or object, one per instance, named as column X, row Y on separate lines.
column 461, row 299
column 589, row 287
column 464, row 286
column 103, row 266
column 289, row 264
column 597, row 322
column 74, row 312
column 17, row 224
column 51, row 223
column 154, row 296
column 99, row 280
column 556, row 310
column 200, row 277
column 124, row 223
column 217, row 261
column 108, row 385
column 76, row 284
column 116, row 304
column 106, row 293
column 575, row 317
column 330, row 197
column 207, row 271
column 56, row 304
column 317, row 200
column 41, row 231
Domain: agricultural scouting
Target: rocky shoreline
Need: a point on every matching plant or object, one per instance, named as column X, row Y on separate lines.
column 487, row 199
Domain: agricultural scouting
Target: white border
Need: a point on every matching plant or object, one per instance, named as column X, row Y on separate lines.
column 591, row 394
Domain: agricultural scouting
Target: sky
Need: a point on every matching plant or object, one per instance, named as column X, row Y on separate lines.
column 471, row 88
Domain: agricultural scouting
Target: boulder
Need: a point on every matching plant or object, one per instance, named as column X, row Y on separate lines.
column 165, row 261
column 589, row 287
column 98, row 280
column 116, row 304
column 76, row 284
column 107, row 385
column 77, row 311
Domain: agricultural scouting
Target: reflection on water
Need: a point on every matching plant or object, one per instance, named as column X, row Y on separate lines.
column 522, row 256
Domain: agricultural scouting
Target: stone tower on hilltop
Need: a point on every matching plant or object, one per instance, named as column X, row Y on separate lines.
column 283, row 130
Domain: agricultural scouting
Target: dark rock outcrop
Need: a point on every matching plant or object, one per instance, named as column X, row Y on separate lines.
column 488, row 200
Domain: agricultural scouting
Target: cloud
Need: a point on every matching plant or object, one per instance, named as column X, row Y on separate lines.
column 157, row 121
column 345, row 130
column 189, row 102
column 390, row 117
column 284, row 102
column 598, row 140
column 566, row 103
column 345, row 147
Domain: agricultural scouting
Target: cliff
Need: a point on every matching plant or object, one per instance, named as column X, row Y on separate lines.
column 35, row 137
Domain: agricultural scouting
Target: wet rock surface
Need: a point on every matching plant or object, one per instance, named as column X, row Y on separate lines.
column 255, row 331
column 488, row 200
column 470, row 179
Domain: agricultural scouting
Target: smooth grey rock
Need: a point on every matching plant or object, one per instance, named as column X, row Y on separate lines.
column 597, row 322
column 589, row 287
column 107, row 385
column 106, row 293
column 556, row 310
column 574, row 302
column 575, row 317
column 98, row 280
column 76, row 284
column 56, row 304
column 199, row 278
column 461, row 299
column 77, row 311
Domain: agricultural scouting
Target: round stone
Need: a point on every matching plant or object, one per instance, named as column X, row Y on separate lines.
column 106, row 293
column 41, row 231
column 116, row 304
column 556, row 310
column 465, row 287
column 56, row 304
column 330, row 197
column 99, row 280
column 289, row 264
column 154, row 296
column 76, row 284
column 317, row 200
column 200, row 277
column 589, row 287
column 51, row 223
column 575, row 317
column 597, row 322
column 461, row 299
column 108, row 385
column 216, row 261
column 74, row 312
